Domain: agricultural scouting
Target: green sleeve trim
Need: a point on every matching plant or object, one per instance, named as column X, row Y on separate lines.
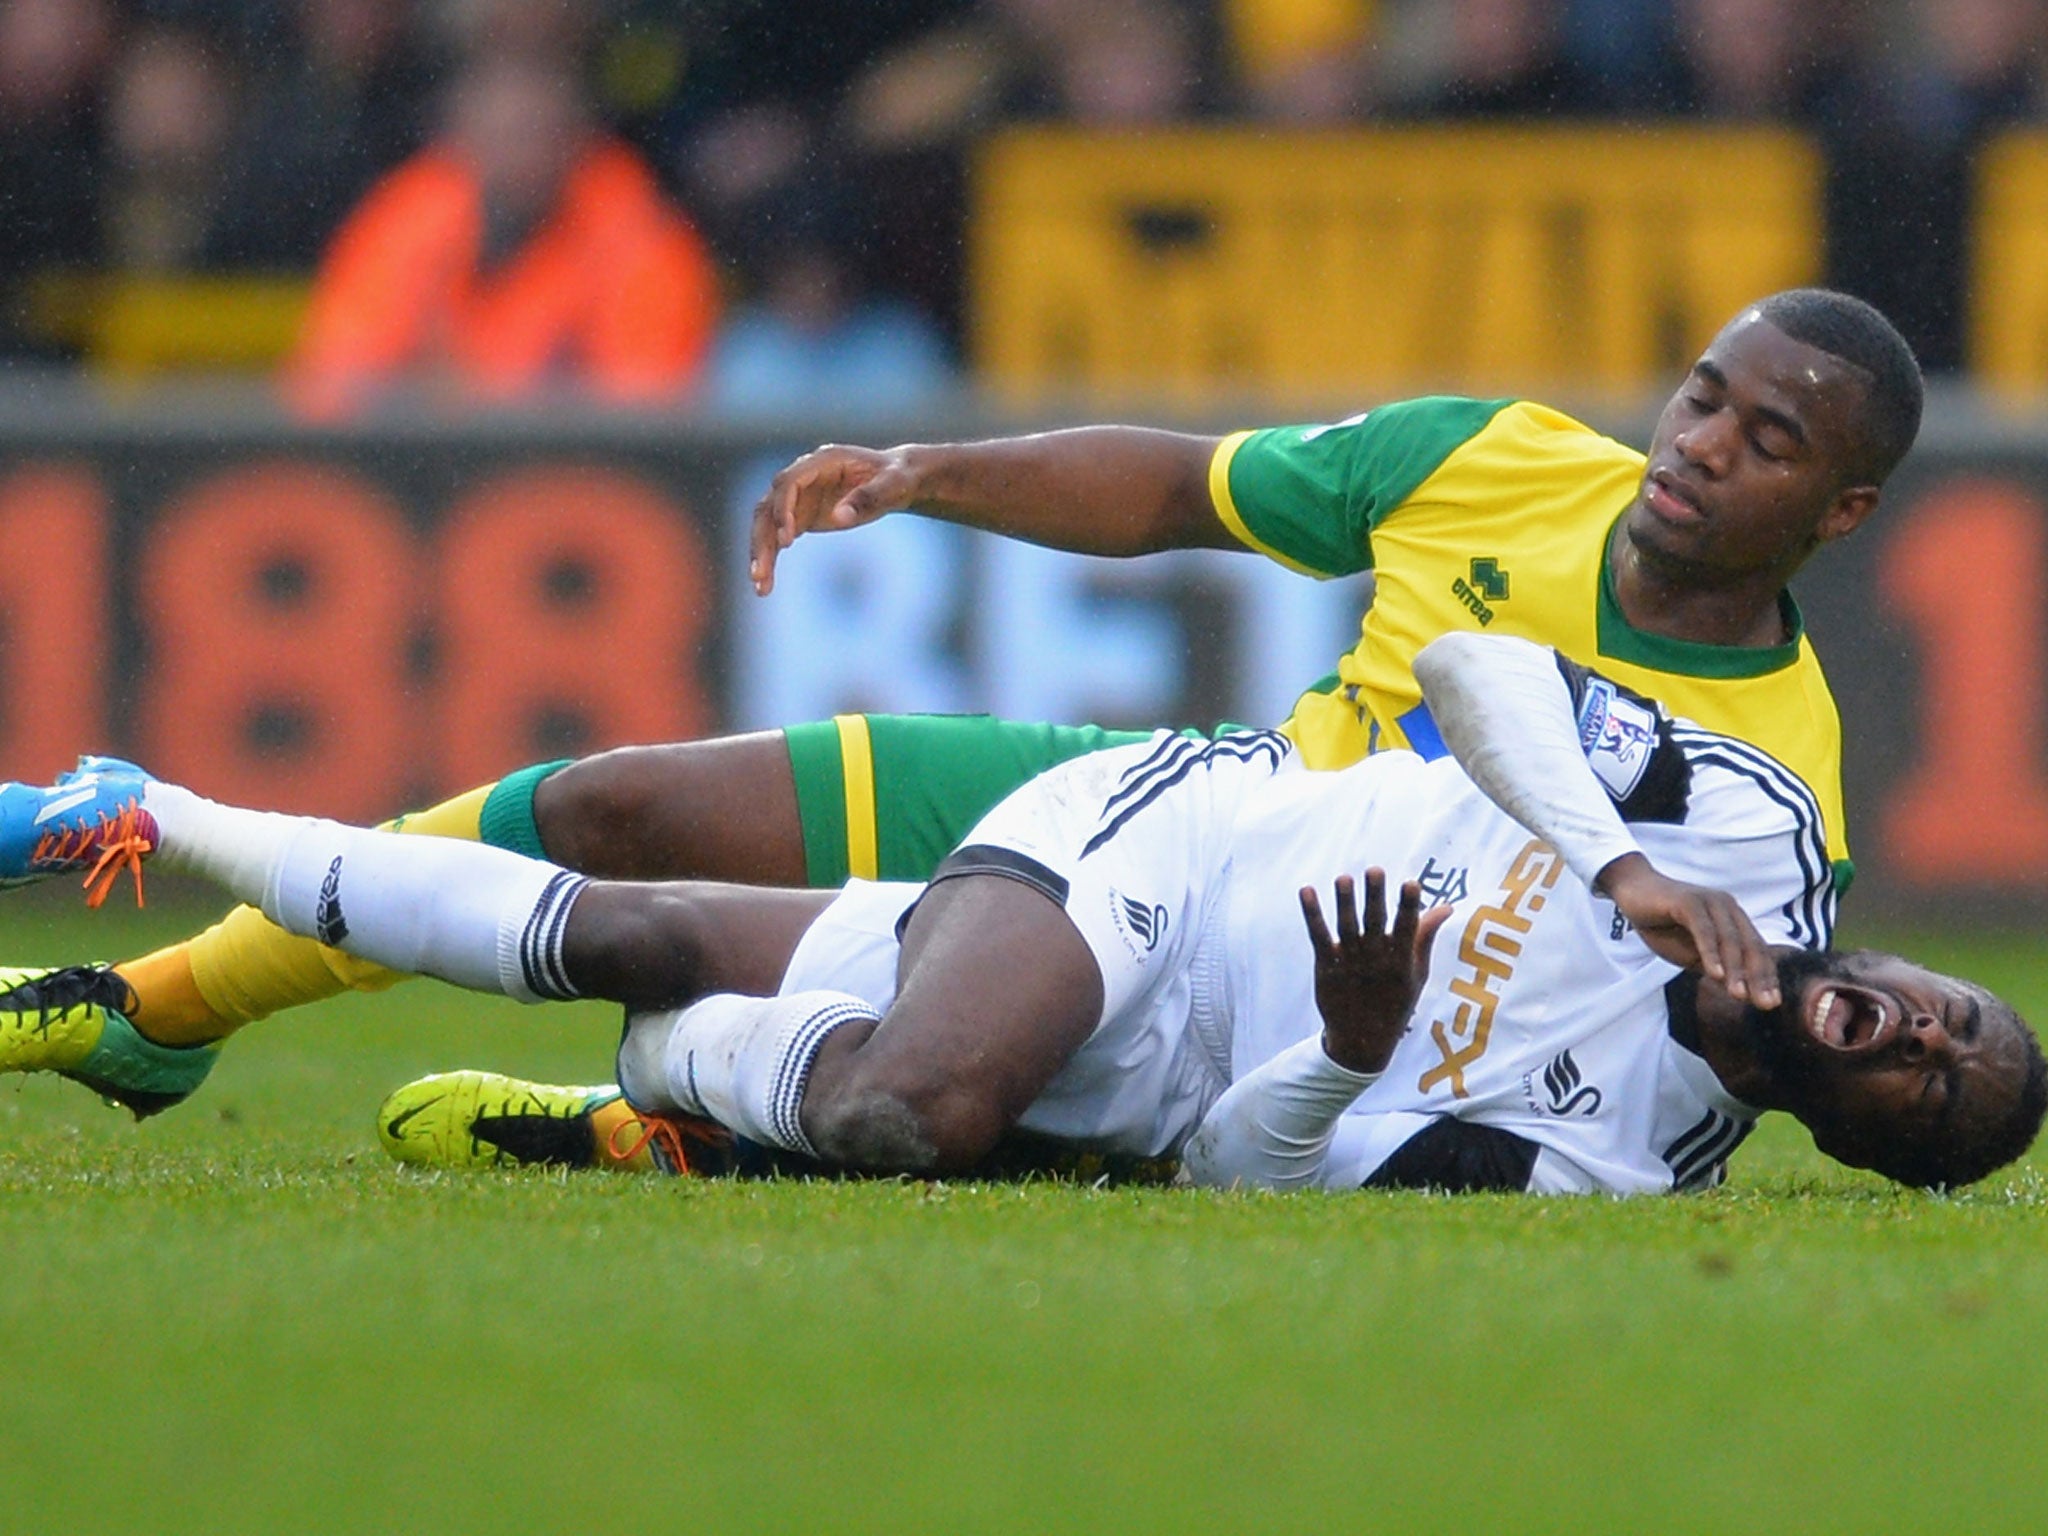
column 1845, row 876
column 1311, row 496
column 506, row 820
column 1226, row 505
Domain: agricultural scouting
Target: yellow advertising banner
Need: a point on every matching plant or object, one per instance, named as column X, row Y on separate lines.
column 1200, row 265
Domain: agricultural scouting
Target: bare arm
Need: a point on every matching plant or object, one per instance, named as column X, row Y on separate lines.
column 1093, row 490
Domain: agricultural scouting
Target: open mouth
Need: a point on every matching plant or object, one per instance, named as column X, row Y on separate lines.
column 1847, row 1018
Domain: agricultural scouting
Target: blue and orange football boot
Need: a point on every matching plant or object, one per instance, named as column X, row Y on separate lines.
column 90, row 821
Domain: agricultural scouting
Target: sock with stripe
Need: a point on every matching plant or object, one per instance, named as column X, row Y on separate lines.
column 477, row 916
column 246, row 968
column 743, row 1061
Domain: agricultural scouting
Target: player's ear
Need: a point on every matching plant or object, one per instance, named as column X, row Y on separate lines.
column 1846, row 513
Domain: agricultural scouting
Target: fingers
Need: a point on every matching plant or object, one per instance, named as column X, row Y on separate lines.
column 1406, row 911
column 1425, row 939
column 776, row 518
column 1411, row 931
column 1312, row 917
column 1700, row 922
column 764, row 541
column 1347, row 909
column 1375, row 903
column 1752, row 968
column 830, row 487
column 1729, row 949
column 1354, row 928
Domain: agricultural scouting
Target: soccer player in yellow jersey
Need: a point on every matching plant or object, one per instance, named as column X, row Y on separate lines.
column 1666, row 572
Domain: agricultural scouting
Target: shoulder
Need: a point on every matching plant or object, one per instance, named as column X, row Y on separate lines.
column 1755, row 827
column 1542, row 434
column 1733, row 778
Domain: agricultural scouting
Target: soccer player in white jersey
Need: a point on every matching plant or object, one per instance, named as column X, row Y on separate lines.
column 1111, row 961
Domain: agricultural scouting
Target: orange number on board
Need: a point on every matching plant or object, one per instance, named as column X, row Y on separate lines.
column 573, row 604
column 1974, row 808
column 278, row 603
column 55, row 597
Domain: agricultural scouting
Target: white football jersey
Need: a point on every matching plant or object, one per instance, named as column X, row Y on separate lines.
column 1544, row 1017
column 1547, row 1050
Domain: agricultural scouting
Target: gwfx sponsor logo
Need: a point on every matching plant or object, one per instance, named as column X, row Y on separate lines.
column 1141, row 926
column 1487, row 952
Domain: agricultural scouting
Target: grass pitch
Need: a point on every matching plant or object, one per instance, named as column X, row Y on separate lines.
column 239, row 1317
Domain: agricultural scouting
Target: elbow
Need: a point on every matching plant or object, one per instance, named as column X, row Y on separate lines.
column 1463, row 654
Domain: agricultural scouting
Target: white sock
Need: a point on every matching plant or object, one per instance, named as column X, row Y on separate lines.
column 743, row 1061
column 484, row 918
column 231, row 847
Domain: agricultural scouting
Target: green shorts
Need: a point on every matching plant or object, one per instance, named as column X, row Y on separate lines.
column 886, row 797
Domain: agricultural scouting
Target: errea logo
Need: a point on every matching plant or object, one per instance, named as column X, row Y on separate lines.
column 1488, row 584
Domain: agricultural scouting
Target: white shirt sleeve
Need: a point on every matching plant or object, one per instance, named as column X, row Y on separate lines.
column 1504, row 711
column 1272, row 1128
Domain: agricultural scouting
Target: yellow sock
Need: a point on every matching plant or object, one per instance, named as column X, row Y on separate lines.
column 245, row 967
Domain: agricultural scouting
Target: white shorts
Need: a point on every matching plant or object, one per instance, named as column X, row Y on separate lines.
column 1133, row 844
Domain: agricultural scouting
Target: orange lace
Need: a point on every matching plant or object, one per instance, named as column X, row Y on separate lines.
column 121, row 840
column 669, row 1135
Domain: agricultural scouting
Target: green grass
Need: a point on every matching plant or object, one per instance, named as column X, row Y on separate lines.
column 238, row 1317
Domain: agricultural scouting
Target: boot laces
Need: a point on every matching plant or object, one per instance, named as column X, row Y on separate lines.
column 115, row 843
column 670, row 1138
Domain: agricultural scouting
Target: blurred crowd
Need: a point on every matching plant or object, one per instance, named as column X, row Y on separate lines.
column 751, row 201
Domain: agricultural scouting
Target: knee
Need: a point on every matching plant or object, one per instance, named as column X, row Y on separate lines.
column 901, row 1129
column 612, row 787
column 642, row 945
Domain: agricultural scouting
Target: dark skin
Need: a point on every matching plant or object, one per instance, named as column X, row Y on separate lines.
column 1892, row 1049
column 1751, row 468
column 1899, row 1049
column 1368, row 977
column 996, row 990
column 1369, row 973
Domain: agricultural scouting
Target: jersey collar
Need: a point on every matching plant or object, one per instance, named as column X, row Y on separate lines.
column 1687, row 658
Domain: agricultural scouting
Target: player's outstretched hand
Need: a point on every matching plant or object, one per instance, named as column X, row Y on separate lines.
column 1694, row 926
column 836, row 486
column 1368, row 977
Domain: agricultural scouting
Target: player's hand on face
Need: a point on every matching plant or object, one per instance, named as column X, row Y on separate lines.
column 1694, row 926
column 836, row 486
column 1368, row 975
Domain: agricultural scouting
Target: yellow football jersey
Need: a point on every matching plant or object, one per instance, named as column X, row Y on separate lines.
column 1496, row 515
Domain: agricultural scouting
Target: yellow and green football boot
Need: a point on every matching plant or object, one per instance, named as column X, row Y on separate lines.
column 475, row 1120
column 73, row 1020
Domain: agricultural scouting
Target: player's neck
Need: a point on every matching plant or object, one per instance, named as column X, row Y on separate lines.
column 1679, row 603
column 1707, row 1021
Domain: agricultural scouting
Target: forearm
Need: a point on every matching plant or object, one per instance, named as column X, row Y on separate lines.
column 1272, row 1128
column 1093, row 490
column 1507, row 717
